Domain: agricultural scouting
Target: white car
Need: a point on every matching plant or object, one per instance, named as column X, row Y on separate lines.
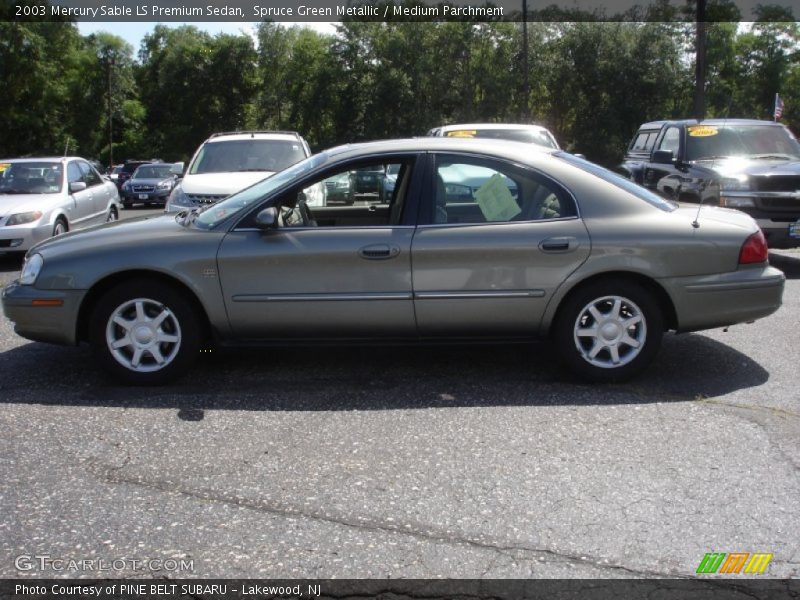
column 533, row 134
column 229, row 162
column 45, row 197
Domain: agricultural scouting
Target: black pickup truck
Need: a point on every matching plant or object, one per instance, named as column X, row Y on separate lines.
column 753, row 166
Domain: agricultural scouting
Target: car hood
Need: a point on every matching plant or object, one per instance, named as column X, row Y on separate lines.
column 141, row 232
column 221, row 183
column 757, row 167
column 18, row 203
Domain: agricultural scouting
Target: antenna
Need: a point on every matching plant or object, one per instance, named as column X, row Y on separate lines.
column 696, row 222
column 66, row 147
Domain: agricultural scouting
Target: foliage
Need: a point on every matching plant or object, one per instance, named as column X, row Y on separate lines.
column 591, row 82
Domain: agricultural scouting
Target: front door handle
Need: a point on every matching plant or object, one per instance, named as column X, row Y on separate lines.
column 558, row 244
column 379, row 251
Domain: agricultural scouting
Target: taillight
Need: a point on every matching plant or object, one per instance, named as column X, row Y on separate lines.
column 754, row 250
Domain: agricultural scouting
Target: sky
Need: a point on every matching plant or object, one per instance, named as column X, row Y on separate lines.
column 134, row 32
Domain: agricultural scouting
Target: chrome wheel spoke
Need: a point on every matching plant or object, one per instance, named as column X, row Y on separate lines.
column 140, row 342
column 610, row 332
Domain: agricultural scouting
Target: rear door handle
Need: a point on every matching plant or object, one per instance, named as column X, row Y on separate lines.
column 558, row 244
column 379, row 251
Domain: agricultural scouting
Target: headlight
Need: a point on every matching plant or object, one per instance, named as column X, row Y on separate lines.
column 26, row 217
column 30, row 270
column 164, row 185
column 735, row 184
column 178, row 199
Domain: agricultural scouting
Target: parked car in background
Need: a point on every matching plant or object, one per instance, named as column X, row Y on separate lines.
column 150, row 184
column 127, row 170
column 44, row 197
column 532, row 134
column 113, row 173
column 228, row 162
column 576, row 253
column 753, row 166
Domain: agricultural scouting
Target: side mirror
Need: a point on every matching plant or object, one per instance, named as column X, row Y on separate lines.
column 177, row 169
column 663, row 157
column 77, row 186
column 267, row 218
column 578, row 155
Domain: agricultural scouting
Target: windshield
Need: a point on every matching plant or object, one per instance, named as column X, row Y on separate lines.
column 528, row 136
column 247, row 155
column 766, row 141
column 619, row 181
column 216, row 213
column 152, row 172
column 30, row 177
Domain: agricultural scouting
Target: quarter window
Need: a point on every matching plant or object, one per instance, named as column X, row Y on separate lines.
column 470, row 190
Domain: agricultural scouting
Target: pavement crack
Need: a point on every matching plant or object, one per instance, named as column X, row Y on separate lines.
column 114, row 475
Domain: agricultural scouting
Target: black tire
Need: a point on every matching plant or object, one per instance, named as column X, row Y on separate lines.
column 156, row 298
column 576, row 343
column 60, row 226
column 113, row 215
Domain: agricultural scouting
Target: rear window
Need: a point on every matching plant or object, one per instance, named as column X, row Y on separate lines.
column 528, row 136
column 619, row 181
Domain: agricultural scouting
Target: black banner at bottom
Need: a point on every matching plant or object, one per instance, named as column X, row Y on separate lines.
column 400, row 589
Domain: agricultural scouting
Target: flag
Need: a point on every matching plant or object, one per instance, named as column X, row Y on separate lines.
column 778, row 107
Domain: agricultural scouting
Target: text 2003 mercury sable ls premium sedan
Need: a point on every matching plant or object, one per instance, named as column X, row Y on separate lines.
column 534, row 243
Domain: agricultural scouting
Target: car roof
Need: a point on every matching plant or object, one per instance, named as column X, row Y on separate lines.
column 501, row 148
column 249, row 135
column 523, row 126
column 715, row 122
column 43, row 159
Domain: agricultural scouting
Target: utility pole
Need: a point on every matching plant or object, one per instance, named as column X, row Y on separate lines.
column 527, row 84
column 700, row 62
column 109, row 60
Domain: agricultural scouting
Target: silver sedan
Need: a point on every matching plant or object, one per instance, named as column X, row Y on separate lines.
column 45, row 197
column 477, row 240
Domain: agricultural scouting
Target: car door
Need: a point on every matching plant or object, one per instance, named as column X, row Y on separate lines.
column 101, row 192
column 662, row 178
column 348, row 277
column 495, row 241
column 81, row 207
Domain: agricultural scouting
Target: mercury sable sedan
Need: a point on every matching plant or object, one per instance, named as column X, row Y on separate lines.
column 546, row 245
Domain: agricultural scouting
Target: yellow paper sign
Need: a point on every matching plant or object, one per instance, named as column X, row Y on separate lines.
column 495, row 200
column 702, row 131
column 462, row 133
column 4, row 166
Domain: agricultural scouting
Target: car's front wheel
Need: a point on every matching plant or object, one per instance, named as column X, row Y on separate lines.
column 145, row 332
column 609, row 330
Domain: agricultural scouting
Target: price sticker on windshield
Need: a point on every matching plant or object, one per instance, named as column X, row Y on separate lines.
column 462, row 133
column 4, row 166
column 702, row 131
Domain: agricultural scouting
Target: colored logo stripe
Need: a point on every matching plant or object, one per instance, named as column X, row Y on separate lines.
column 713, row 562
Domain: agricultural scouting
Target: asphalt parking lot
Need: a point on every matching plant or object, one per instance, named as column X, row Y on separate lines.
column 481, row 461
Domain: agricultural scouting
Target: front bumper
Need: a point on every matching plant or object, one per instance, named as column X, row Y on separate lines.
column 159, row 196
column 54, row 321
column 19, row 238
column 709, row 301
column 777, row 233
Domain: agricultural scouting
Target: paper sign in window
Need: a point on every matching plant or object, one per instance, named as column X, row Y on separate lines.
column 495, row 201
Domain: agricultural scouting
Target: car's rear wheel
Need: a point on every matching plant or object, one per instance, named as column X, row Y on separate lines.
column 609, row 330
column 145, row 332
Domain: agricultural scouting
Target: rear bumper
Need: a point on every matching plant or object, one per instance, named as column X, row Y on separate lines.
column 708, row 301
column 55, row 323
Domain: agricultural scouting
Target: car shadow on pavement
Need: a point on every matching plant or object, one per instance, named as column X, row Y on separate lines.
column 788, row 263
column 688, row 367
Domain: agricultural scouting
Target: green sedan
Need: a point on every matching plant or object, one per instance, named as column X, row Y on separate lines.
column 477, row 240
